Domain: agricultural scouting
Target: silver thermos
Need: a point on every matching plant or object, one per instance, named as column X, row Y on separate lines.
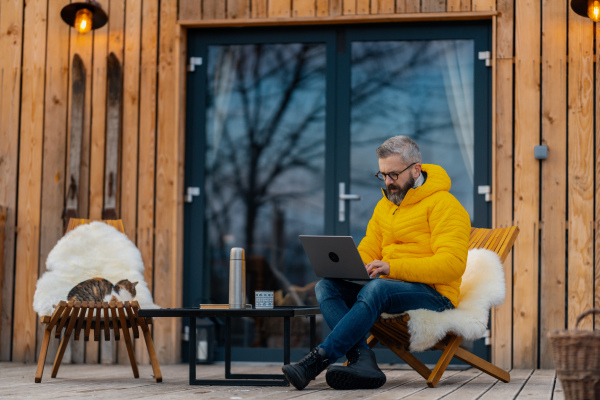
column 237, row 279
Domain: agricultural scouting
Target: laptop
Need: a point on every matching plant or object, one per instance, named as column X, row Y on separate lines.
column 334, row 257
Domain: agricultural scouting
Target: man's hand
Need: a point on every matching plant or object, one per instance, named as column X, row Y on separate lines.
column 378, row 267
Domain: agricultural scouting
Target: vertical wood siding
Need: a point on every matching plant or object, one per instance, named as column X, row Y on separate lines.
column 580, row 169
column 526, row 182
column 30, row 182
column 147, row 146
column 544, row 94
column 11, row 42
column 503, row 183
column 554, row 174
column 55, row 139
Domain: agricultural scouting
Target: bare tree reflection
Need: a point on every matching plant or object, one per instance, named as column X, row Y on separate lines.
column 266, row 130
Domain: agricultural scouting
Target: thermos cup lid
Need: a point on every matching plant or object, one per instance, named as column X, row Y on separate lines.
column 237, row 253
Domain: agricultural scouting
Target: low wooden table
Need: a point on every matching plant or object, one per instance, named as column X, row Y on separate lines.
column 239, row 379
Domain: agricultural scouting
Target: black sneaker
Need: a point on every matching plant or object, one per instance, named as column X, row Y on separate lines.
column 362, row 372
column 307, row 369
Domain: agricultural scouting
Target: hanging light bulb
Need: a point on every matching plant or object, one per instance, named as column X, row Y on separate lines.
column 83, row 20
column 84, row 16
column 593, row 10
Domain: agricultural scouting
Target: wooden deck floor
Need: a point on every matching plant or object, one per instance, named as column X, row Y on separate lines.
column 116, row 381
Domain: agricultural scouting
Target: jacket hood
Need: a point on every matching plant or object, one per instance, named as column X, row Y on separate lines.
column 437, row 181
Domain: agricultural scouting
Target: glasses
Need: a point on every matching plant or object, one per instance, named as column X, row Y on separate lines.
column 393, row 175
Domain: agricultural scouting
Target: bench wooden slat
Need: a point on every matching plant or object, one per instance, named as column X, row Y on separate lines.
column 132, row 321
column 88, row 323
column 73, row 318
column 63, row 319
column 106, row 321
column 97, row 324
column 58, row 312
column 115, row 320
column 80, row 320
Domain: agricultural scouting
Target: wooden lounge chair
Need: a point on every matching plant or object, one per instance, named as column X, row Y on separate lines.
column 393, row 332
column 94, row 319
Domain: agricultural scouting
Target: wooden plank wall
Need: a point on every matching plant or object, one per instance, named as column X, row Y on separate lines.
column 35, row 79
column 545, row 88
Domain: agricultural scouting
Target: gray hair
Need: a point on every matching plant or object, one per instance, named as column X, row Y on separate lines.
column 402, row 146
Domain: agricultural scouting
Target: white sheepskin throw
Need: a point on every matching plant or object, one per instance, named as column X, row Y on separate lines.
column 481, row 289
column 88, row 251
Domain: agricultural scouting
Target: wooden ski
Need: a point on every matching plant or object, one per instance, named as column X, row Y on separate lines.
column 114, row 107
column 76, row 136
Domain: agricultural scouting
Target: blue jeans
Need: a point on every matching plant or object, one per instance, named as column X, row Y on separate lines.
column 351, row 309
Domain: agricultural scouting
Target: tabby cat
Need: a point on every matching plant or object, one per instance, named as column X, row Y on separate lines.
column 99, row 289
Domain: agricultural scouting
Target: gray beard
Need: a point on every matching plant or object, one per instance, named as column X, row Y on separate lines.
column 397, row 197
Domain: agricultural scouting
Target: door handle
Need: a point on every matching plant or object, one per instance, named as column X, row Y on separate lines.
column 343, row 196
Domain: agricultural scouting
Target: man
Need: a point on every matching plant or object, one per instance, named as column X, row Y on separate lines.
column 417, row 239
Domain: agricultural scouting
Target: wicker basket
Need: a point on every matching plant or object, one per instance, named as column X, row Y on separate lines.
column 577, row 360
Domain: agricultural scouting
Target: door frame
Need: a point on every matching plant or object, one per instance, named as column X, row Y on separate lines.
column 337, row 130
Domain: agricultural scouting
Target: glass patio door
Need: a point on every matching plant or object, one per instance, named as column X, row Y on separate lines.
column 427, row 83
column 422, row 84
column 258, row 150
column 278, row 119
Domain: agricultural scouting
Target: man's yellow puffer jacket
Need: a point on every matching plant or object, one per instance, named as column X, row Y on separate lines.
column 425, row 239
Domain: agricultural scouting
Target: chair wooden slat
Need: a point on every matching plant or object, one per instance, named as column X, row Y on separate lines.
column 511, row 238
column 494, row 239
column 89, row 320
column 80, row 320
column 114, row 320
column 106, row 321
column 132, row 321
column 64, row 318
column 477, row 237
column 484, row 238
column 97, row 321
column 73, row 318
column 476, row 234
column 58, row 312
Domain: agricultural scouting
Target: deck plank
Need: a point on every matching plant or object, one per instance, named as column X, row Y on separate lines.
column 474, row 389
column 540, row 385
column 447, row 386
column 503, row 391
column 559, row 393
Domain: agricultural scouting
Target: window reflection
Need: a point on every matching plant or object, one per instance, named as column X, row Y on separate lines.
column 264, row 172
column 422, row 89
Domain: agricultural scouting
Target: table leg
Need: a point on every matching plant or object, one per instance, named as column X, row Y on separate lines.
column 192, row 350
column 227, row 347
column 286, row 340
column 313, row 332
